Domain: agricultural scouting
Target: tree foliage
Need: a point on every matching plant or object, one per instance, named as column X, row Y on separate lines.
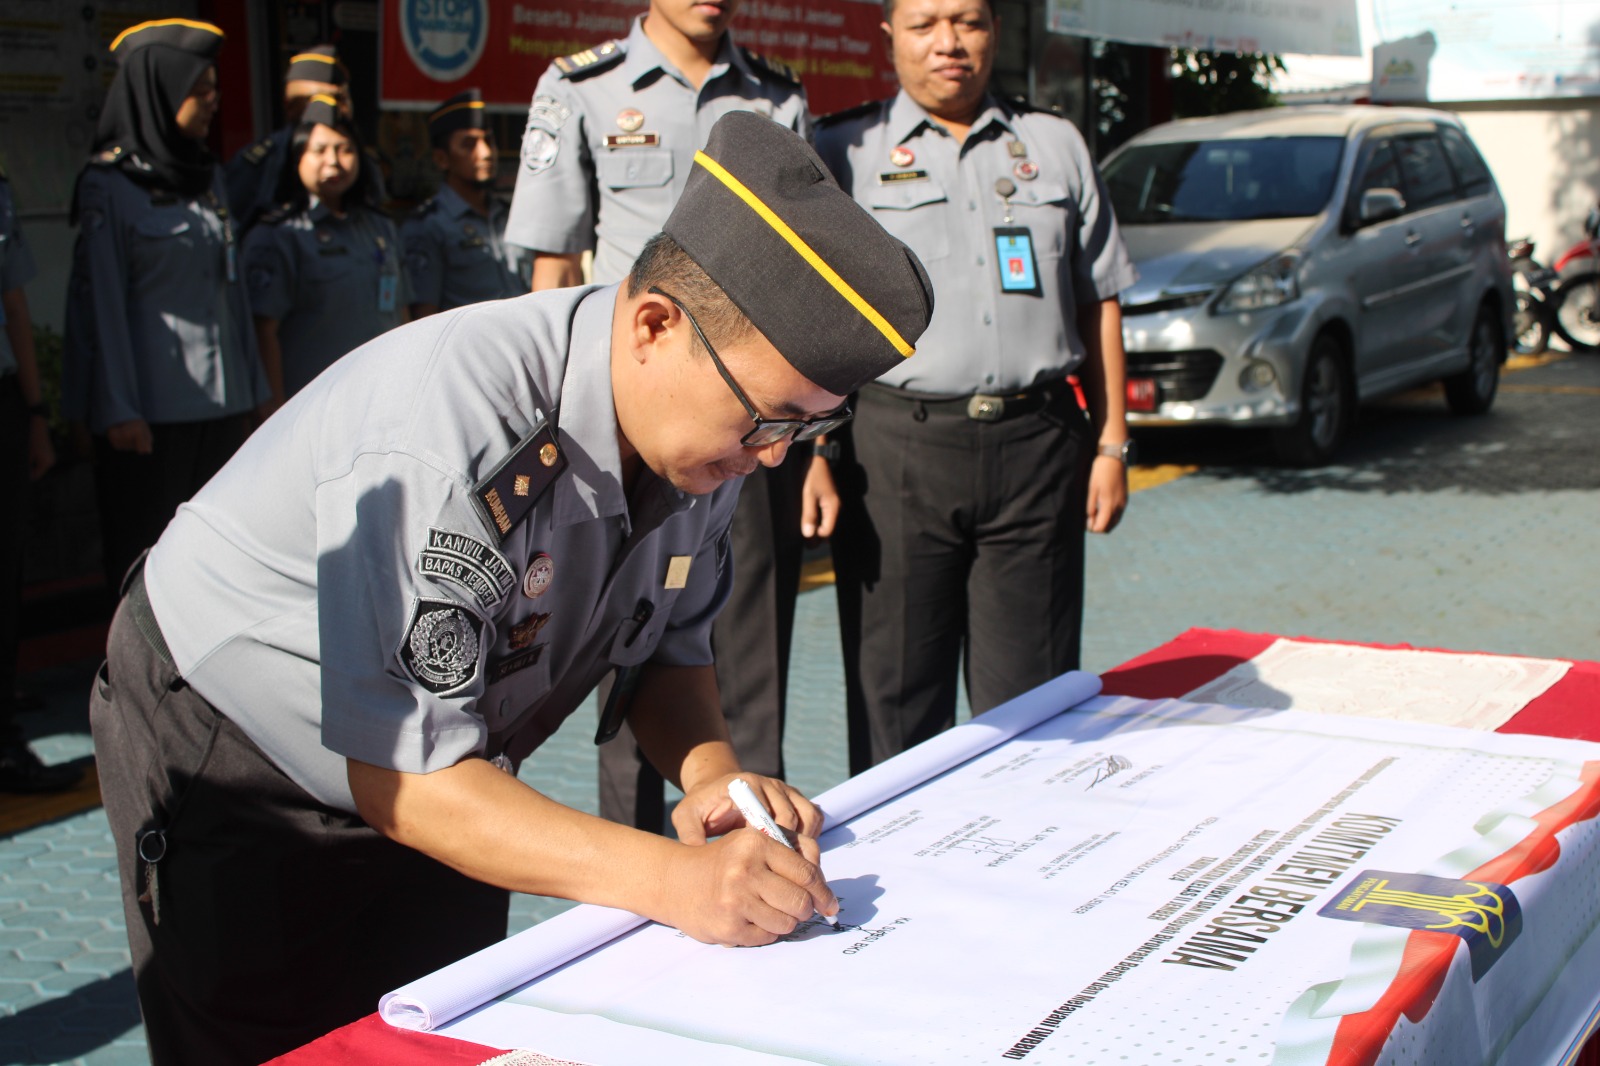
column 1216, row 83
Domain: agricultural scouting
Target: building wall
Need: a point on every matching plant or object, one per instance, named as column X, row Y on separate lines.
column 1545, row 155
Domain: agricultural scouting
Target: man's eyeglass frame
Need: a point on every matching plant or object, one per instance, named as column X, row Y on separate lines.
column 767, row 431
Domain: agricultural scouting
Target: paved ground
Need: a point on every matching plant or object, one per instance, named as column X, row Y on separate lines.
column 1471, row 534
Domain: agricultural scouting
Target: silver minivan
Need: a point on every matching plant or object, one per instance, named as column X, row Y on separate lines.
column 1298, row 260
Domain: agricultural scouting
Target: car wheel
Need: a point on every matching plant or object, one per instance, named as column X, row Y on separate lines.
column 1472, row 391
column 1326, row 403
column 1533, row 330
column 1577, row 311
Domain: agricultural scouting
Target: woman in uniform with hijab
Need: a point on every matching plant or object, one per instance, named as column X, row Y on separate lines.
column 161, row 361
column 324, row 268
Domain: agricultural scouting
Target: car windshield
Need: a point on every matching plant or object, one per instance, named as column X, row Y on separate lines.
column 1223, row 181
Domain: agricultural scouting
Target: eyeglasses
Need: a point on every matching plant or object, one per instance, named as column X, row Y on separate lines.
column 767, row 430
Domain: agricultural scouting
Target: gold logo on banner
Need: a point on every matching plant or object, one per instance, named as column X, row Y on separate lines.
column 1481, row 910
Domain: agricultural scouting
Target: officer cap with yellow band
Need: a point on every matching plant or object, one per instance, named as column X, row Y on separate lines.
column 321, row 63
column 841, row 299
column 186, row 35
column 321, row 110
column 463, row 111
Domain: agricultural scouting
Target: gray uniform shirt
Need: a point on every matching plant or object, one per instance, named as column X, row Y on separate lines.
column 331, row 283
column 939, row 197
column 158, row 323
column 609, row 147
column 16, row 268
column 336, row 593
column 455, row 256
column 252, row 175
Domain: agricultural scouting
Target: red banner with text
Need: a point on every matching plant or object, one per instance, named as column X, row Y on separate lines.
column 433, row 49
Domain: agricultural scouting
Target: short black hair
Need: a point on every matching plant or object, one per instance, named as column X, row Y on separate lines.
column 888, row 10
column 665, row 265
column 292, row 193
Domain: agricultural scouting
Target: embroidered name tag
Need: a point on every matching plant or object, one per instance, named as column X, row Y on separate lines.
column 512, row 663
column 508, row 494
column 468, row 562
column 894, row 177
column 632, row 140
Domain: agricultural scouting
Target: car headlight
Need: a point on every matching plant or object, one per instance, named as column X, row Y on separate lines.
column 1267, row 285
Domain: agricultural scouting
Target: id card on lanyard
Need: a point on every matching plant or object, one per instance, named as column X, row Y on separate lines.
column 1013, row 255
column 388, row 290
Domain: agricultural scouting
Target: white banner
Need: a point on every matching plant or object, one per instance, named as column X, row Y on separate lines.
column 1309, row 27
column 1484, row 50
column 1149, row 881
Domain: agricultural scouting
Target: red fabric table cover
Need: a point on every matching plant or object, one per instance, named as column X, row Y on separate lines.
column 1567, row 709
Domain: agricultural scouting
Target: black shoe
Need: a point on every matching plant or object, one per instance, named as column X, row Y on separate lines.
column 21, row 771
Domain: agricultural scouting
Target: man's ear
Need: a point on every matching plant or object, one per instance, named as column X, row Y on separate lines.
column 651, row 327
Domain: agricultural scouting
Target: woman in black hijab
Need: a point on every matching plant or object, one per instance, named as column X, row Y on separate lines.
column 161, row 357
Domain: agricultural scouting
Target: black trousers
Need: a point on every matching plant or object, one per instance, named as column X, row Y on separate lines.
column 270, row 919
column 137, row 494
column 750, row 638
column 959, row 542
column 13, row 512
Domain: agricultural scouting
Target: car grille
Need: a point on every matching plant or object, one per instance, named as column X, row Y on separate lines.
column 1178, row 375
column 1168, row 303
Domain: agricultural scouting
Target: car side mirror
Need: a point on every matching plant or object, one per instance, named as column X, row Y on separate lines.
column 1380, row 205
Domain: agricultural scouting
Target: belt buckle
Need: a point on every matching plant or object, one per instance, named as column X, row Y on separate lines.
column 982, row 408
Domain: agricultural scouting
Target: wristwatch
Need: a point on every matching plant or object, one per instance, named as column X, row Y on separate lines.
column 1126, row 452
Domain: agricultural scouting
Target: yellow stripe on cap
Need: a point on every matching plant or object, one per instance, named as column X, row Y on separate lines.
column 476, row 105
column 807, row 253
column 193, row 25
column 331, row 101
column 313, row 57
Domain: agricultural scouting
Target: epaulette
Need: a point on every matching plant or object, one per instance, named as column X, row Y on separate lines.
column 507, row 495
column 277, row 214
column 848, row 113
column 590, row 60
column 777, row 68
column 425, row 207
column 108, row 158
column 1025, row 106
column 257, row 153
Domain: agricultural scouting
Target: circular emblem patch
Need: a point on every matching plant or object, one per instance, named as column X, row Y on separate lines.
column 444, row 38
column 902, row 156
column 539, row 148
column 536, row 581
column 1026, row 169
column 441, row 650
column 629, row 119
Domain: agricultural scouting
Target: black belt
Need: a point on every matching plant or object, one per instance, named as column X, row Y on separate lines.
column 144, row 619
column 977, row 406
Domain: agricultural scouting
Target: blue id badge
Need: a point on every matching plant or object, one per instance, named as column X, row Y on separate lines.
column 388, row 289
column 1013, row 254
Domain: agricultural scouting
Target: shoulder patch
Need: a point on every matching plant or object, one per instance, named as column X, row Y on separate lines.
column 426, row 207
column 504, row 498
column 1022, row 105
column 859, row 111
column 258, row 152
column 777, row 68
column 469, row 563
column 590, row 60
column 442, row 646
column 278, row 214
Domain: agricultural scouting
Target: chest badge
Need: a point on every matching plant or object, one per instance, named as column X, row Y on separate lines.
column 630, row 120
column 536, row 580
column 469, row 229
column 1017, row 149
column 677, row 572
column 1026, row 170
column 323, row 236
column 526, row 631
column 902, row 156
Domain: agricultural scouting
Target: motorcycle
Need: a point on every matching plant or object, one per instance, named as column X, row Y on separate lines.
column 1534, row 285
column 1575, row 309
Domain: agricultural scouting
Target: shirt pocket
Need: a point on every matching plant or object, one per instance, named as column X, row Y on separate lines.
column 633, row 168
column 164, row 244
column 917, row 212
column 1045, row 208
column 515, row 682
column 636, row 638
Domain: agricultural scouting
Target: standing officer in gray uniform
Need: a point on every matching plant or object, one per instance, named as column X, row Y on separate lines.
column 961, row 537
column 422, row 564
column 160, row 357
column 610, row 142
column 25, row 453
column 456, row 252
column 254, row 172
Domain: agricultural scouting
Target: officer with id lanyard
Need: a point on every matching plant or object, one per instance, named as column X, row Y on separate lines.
column 321, row 683
column 976, row 473
column 160, row 359
column 325, row 268
column 609, row 145
column 456, row 252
